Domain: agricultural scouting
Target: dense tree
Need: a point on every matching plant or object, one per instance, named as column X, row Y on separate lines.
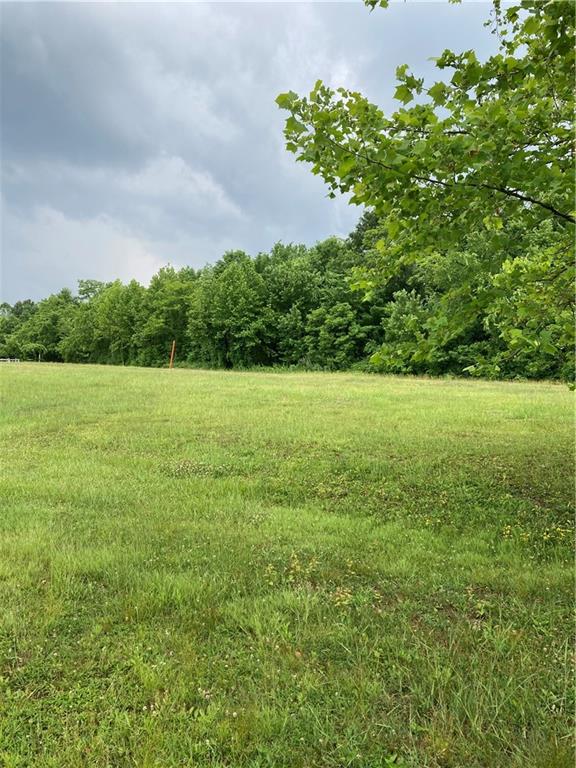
column 295, row 306
column 117, row 313
column 42, row 329
column 11, row 318
column 228, row 318
column 293, row 291
column 487, row 152
column 335, row 338
column 163, row 316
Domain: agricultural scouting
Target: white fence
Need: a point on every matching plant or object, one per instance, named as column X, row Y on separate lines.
column 9, row 359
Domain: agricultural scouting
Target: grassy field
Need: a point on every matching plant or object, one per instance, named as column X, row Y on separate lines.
column 292, row 570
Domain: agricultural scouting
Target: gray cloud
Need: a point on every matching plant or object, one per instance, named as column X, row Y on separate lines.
column 139, row 134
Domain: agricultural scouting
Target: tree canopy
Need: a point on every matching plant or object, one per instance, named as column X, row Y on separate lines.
column 295, row 306
column 480, row 161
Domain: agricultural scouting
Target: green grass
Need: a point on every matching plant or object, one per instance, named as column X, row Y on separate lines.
column 299, row 570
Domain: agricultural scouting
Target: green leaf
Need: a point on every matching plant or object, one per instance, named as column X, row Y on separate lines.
column 403, row 94
column 438, row 93
column 531, row 25
column 295, row 126
column 286, row 100
column 346, row 166
column 492, row 223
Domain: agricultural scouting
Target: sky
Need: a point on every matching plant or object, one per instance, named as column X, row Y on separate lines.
column 140, row 134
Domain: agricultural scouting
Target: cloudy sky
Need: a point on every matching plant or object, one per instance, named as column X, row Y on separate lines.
column 140, row 134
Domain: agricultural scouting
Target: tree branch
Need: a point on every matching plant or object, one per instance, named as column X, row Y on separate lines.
column 429, row 180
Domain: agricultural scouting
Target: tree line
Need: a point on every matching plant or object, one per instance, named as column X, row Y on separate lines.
column 298, row 306
column 463, row 262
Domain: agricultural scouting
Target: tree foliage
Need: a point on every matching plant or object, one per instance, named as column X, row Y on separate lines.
column 483, row 157
column 297, row 306
column 292, row 307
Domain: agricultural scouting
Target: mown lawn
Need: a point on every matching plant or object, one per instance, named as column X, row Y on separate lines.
column 288, row 570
